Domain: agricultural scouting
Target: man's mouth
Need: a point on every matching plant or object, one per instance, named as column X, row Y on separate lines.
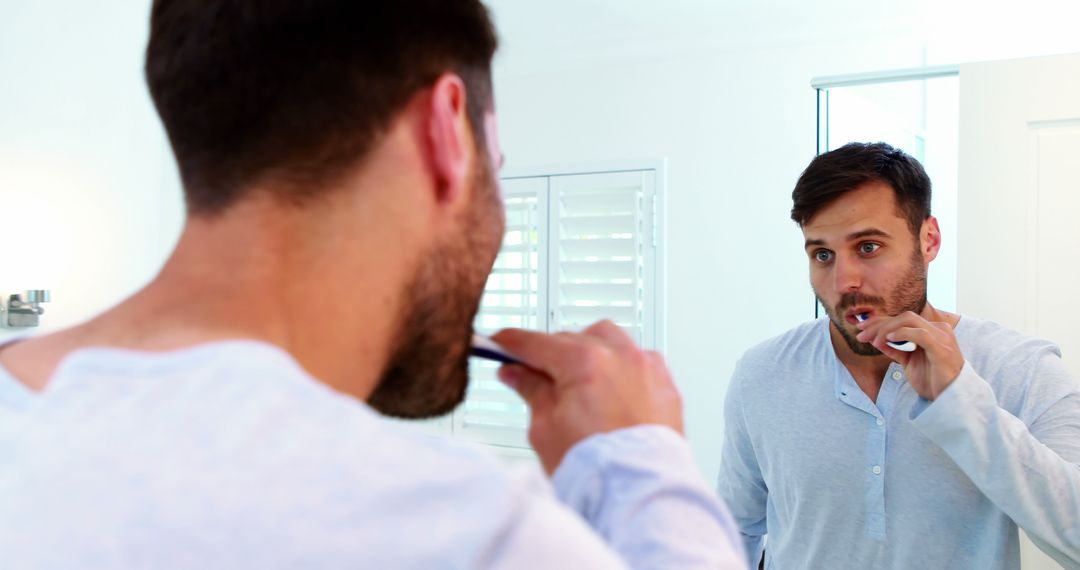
column 855, row 315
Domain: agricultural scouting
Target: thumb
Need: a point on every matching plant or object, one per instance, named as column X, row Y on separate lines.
column 535, row 388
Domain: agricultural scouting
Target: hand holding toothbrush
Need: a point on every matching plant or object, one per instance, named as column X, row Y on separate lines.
column 927, row 350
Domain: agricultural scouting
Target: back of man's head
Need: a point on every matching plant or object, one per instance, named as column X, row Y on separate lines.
column 287, row 95
column 842, row 170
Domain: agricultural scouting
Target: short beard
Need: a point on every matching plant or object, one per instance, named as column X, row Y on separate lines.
column 908, row 295
column 427, row 374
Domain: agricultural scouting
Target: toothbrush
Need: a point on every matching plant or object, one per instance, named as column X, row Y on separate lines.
column 484, row 347
column 905, row 346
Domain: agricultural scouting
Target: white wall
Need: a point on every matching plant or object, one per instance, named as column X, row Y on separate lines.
column 89, row 203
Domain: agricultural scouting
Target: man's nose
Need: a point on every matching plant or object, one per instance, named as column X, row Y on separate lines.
column 847, row 274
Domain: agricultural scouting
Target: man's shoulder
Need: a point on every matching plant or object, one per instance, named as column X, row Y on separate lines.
column 796, row 345
column 995, row 345
column 289, row 416
column 1025, row 372
column 791, row 359
column 244, row 439
column 384, row 479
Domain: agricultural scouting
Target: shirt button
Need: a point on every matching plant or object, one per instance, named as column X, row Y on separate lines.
column 877, row 470
column 897, row 375
column 880, row 422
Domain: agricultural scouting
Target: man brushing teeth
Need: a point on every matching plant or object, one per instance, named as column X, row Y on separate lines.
column 893, row 434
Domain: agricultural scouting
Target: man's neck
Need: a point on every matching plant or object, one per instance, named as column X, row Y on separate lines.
column 868, row 371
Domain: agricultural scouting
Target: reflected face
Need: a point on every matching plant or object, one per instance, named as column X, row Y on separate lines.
column 427, row 374
column 865, row 259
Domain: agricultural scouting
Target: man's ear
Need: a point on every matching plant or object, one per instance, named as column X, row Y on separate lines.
column 449, row 139
column 930, row 239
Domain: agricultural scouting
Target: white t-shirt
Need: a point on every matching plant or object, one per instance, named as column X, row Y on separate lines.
column 229, row 455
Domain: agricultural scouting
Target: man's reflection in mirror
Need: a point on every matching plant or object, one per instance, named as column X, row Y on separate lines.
column 849, row 453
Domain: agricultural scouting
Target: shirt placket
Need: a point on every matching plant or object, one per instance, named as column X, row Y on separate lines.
column 878, row 414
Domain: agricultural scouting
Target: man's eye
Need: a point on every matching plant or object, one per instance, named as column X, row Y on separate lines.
column 868, row 248
column 822, row 256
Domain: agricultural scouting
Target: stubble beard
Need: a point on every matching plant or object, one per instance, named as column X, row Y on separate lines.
column 908, row 295
column 427, row 374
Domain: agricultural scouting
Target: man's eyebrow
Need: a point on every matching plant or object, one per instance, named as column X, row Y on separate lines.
column 871, row 232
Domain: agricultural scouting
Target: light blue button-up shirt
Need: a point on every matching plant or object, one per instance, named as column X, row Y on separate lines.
column 837, row 481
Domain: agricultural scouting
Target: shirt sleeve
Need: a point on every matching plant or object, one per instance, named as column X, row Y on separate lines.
column 1029, row 471
column 641, row 492
column 740, row 483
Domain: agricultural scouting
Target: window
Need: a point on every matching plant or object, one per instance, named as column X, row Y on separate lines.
column 918, row 112
column 579, row 247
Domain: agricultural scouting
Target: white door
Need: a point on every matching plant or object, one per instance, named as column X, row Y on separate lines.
column 1019, row 204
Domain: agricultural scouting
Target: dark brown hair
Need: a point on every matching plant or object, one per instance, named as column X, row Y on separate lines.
column 296, row 91
column 840, row 171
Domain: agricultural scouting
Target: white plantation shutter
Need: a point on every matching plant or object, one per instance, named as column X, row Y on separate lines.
column 601, row 247
column 578, row 248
